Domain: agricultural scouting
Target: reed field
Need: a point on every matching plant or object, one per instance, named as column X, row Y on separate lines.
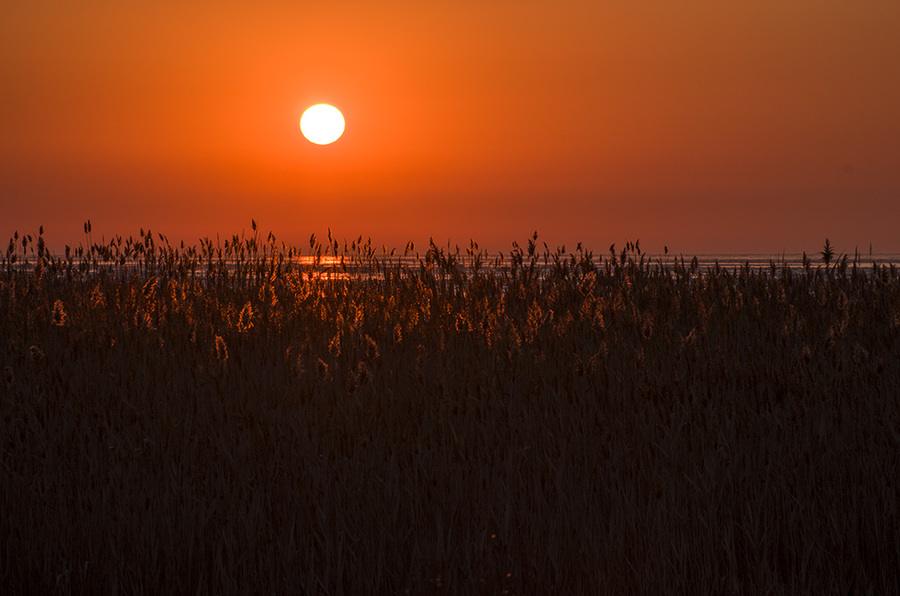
column 247, row 417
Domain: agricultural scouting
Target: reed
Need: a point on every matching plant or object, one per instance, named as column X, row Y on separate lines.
column 228, row 418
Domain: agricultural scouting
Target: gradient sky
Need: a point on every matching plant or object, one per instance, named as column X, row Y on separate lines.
column 704, row 125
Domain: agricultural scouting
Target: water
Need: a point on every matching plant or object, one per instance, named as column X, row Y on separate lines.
column 791, row 260
column 331, row 267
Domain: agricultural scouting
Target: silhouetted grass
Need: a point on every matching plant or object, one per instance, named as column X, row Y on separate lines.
column 227, row 419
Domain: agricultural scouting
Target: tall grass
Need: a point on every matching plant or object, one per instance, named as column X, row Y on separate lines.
column 226, row 418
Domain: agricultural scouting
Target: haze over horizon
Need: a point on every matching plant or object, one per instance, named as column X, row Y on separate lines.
column 702, row 126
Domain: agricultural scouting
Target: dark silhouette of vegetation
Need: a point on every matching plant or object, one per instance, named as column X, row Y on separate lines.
column 827, row 253
column 235, row 419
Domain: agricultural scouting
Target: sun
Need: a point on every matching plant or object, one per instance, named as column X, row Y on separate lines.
column 322, row 124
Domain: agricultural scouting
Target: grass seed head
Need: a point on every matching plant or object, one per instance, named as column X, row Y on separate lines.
column 58, row 314
column 245, row 321
column 334, row 346
column 371, row 349
column 363, row 374
column 149, row 288
column 36, row 353
column 221, row 350
column 98, row 299
column 321, row 369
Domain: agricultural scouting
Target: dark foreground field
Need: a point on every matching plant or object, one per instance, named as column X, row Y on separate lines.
column 224, row 421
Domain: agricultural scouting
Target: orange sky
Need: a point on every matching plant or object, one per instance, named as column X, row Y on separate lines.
column 703, row 125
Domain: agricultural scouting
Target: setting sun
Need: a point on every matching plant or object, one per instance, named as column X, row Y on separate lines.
column 570, row 296
column 322, row 124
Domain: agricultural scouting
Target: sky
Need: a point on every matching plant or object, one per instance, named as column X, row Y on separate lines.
column 700, row 125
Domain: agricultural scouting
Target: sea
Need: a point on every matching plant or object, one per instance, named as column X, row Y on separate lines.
column 331, row 267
